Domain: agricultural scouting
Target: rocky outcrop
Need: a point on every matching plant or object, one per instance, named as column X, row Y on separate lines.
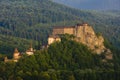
column 86, row 35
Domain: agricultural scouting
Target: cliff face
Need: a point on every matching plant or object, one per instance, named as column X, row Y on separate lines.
column 86, row 35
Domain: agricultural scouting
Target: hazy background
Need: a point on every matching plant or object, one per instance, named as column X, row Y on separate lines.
column 92, row 4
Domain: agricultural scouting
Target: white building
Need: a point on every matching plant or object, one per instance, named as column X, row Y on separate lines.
column 53, row 39
column 30, row 51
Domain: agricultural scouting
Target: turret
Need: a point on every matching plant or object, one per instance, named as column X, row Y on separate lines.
column 30, row 51
column 5, row 59
column 31, row 48
column 16, row 54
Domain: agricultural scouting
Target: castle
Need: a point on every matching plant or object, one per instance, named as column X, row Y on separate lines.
column 30, row 51
column 84, row 34
column 72, row 30
column 17, row 55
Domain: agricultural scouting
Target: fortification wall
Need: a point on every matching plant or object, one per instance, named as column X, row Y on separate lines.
column 86, row 35
column 64, row 30
column 69, row 31
column 58, row 31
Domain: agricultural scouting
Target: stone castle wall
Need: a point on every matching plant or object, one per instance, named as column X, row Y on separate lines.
column 69, row 30
column 86, row 35
column 58, row 31
column 64, row 30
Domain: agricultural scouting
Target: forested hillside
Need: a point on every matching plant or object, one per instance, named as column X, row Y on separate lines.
column 65, row 60
column 23, row 22
column 92, row 4
column 9, row 43
column 34, row 19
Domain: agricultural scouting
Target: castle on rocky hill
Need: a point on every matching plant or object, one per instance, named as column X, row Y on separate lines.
column 83, row 33
column 72, row 30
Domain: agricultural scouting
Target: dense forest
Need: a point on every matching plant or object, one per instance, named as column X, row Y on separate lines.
column 31, row 21
column 34, row 20
column 9, row 43
column 65, row 60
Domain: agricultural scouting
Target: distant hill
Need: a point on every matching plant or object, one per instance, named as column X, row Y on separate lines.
column 92, row 4
column 34, row 19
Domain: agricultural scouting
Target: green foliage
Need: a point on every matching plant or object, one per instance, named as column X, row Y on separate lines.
column 75, row 54
column 7, row 70
column 34, row 19
column 65, row 60
column 2, row 57
column 98, row 34
column 9, row 43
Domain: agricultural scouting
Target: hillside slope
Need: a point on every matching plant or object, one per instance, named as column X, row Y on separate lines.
column 92, row 4
column 34, row 19
column 65, row 60
column 9, row 43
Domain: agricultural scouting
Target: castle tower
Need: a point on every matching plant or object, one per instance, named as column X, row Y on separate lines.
column 5, row 59
column 53, row 38
column 30, row 51
column 31, row 48
column 16, row 54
